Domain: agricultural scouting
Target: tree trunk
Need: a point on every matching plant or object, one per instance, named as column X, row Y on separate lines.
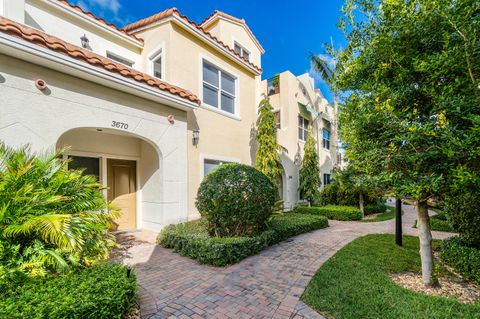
column 425, row 236
column 362, row 206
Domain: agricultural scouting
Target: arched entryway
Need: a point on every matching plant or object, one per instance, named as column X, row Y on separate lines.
column 129, row 166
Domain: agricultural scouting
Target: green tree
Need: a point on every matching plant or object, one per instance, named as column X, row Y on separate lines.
column 411, row 118
column 355, row 180
column 309, row 172
column 267, row 159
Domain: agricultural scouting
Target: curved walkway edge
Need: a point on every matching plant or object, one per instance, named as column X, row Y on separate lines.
column 267, row 285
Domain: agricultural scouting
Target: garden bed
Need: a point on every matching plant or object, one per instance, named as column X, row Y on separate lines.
column 389, row 214
column 192, row 240
column 335, row 212
column 356, row 283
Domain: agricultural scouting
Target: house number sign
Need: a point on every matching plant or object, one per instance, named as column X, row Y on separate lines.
column 120, row 125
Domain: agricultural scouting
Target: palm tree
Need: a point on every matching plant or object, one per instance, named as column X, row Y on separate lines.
column 329, row 71
column 51, row 218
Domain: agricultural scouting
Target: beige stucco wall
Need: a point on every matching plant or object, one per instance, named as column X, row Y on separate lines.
column 44, row 16
column 229, row 32
column 223, row 136
column 30, row 116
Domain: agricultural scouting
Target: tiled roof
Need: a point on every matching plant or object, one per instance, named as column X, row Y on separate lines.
column 235, row 19
column 174, row 11
column 92, row 16
column 55, row 44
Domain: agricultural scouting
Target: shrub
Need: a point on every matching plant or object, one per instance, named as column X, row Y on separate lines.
column 235, row 200
column 462, row 209
column 192, row 239
column 103, row 291
column 465, row 260
column 375, row 208
column 331, row 212
column 49, row 220
column 336, row 194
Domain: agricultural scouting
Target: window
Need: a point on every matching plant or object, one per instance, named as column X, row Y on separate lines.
column 119, row 59
column 241, row 51
column 277, row 119
column 302, row 128
column 327, row 179
column 210, row 165
column 218, row 88
column 89, row 165
column 326, row 139
column 157, row 66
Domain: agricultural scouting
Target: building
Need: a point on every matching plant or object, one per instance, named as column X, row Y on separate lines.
column 149, row 108
column 298, row 107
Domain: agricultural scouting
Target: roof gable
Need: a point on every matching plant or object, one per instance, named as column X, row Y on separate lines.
column 217, row 15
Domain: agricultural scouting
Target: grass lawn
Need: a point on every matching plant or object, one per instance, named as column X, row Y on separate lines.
column 355, row 284
column 390, row 214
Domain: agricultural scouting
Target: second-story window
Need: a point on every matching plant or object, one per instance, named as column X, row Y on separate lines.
column 326, row 139
column 302, row 128
column 218, row 88
column 241, row 51
column 278, row 119
column 157, row 66
column 118, row 58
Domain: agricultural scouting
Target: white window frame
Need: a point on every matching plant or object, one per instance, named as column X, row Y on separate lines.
column 218, row 158
column 243, row 50
column 115, row 57
column 236, row 103
column 159, row 52
column 325, row 139
column 303, row 127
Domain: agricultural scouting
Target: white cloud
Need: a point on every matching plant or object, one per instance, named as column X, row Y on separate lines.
column 108, row 9
column 110, row 5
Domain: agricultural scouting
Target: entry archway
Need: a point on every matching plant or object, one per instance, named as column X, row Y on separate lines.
column 127, row 165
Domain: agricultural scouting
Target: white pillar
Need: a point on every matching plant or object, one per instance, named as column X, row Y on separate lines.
column 13, row 10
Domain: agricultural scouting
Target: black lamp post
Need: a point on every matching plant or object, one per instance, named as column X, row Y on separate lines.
column 398, row 222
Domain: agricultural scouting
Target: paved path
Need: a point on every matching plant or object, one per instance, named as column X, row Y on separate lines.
column 268, row 285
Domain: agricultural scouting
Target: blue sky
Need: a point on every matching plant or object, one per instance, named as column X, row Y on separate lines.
column 288, row 30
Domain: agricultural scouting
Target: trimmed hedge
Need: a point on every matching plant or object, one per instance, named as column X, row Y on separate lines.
column 103, row 291
column 331, row 212
column 465, row 260
column 192, row 239
column 375, row 208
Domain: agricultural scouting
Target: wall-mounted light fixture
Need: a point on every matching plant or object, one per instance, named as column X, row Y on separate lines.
column 195, row 137
column 85, row 42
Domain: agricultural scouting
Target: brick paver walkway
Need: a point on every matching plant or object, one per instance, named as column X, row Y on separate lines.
column 268, row 285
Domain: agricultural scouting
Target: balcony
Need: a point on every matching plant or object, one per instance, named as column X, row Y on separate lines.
column 273, row 85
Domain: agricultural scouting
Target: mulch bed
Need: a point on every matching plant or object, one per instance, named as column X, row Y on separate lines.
column 453, row 287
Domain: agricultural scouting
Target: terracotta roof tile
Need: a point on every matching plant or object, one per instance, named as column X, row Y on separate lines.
column 92, row 16
column 55, row 44
column 235, row 19
column 174, row 11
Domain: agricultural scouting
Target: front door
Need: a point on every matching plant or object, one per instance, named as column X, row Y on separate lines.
column 122, row 188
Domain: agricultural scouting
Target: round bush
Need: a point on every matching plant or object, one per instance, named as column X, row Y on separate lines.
column 235, row 200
